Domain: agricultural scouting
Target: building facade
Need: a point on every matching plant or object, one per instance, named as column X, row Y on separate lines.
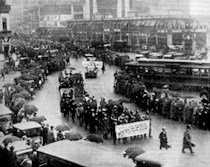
column 170, row 7
column 97, row 9
column 186, row 33
column 5, row 33
column 21, row 19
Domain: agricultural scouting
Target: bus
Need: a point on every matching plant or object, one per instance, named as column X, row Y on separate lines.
column 178, row 74
column 79, row 153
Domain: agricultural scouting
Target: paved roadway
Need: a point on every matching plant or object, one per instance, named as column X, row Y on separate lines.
column 47, row 101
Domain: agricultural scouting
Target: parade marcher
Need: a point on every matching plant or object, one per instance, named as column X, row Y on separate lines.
column 103, row 68
column 113, row 131
column 73, row 110
column 148, row 117
column 187, row 140
column 163, row 139
column 2, row 74
column 34, row 159
column 115, row 75
column 106, row 126
column 1, row 96
column 92, row 122
column 80, row 114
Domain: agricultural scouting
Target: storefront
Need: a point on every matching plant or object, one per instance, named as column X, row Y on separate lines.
column 155, row 32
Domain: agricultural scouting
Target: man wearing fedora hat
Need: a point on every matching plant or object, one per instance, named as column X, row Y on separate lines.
column 187, row 140
column 164, row 139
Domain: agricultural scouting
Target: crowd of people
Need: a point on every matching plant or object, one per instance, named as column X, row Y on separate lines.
column 98, row 116
column 16, row 95
column 162, row 102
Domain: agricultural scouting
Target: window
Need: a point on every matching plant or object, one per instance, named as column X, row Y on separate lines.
column 177, row 39
column 4, row 23
column 78, row 16
column 78, row 8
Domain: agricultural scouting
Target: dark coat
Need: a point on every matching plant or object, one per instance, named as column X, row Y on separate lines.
column 50, row 137
column 187, row 139
column 163, row 139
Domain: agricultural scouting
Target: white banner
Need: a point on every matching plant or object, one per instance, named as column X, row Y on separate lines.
column 132, row 129
column 66, row 17
column 92, row 64
column 65, row 90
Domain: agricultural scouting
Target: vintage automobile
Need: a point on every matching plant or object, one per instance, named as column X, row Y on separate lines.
column 153, row 159
column 21, row 149
column 91, row 73
column 30, row 129
column 5, row 118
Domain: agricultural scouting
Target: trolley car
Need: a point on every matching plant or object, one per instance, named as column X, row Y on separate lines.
column 178, row 74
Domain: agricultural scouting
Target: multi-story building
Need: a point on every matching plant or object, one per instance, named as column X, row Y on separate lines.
column 27, row 15
column 16, row 14
column 136, row 8
column 107, row 8
column 170, row 7
column 21, row 19
column 139, row 8
column 57, row 15
column 100, row 9
column 5, row 33
column 184, row 32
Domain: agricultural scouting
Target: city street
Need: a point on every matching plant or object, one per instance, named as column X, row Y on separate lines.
column 48, row 98
column 163, row 48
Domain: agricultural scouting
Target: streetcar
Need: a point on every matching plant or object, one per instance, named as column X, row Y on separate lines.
column 178, row 74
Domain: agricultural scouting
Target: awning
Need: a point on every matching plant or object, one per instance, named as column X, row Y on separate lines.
column 89, row 24
column 153, row 22
column 161, row 23
column 138, row 23
column 125, row 23
column 157, row 22
column 143, row 22
column 69, row 25
column 134, row 22
column 148, row 23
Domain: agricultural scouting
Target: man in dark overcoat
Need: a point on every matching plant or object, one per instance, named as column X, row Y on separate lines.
column 187, row 140
column 163, row 139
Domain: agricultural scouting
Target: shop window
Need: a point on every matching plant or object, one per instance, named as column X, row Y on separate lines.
column 4, row 23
